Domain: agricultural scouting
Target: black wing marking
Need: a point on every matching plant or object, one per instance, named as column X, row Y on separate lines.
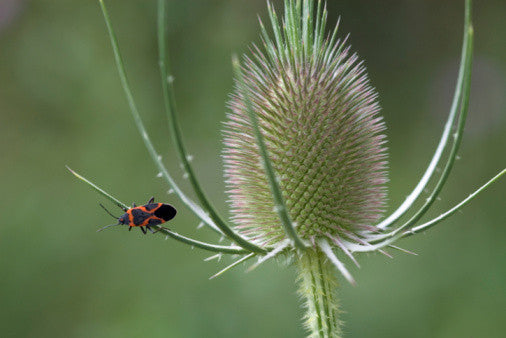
column 165, row 212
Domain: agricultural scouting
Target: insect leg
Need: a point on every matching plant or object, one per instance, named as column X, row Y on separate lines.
column 159, row 228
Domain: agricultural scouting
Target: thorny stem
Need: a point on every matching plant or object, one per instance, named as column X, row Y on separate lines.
column 464, row 87
column 453, row 210
column 317, row 285
column 236, row 263
column 203, row 245
column 99, row 190
column 427, row 225
column 154, row 155
column 445, row 137
column 175, row 133
column 142, row 130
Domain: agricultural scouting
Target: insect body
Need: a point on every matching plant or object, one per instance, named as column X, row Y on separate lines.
column 144, row 216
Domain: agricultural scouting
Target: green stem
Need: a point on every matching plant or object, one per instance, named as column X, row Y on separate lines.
column 466, row 88
column 317, row 286
column 429, row 224
column 453, row 210
column 461, row 97
column 177, row 139
column 202, row 245
column 236, row 263
column 157, row 159
column 99, row 190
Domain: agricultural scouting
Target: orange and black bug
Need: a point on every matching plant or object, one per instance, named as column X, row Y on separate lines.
column 144, row 216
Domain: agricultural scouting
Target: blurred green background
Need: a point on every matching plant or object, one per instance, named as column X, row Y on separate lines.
column 61, row 103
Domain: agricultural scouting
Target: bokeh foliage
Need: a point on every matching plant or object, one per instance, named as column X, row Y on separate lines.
column 61, row 103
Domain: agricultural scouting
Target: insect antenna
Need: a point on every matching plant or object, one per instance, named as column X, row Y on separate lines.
column 107, row 211
column 107, row 226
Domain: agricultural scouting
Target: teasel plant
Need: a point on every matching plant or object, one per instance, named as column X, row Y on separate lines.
column 305, row 157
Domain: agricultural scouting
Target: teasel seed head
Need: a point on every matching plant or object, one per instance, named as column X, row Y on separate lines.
column 320, row 119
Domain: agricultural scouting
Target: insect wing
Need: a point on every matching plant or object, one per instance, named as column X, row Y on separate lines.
column 165, row 212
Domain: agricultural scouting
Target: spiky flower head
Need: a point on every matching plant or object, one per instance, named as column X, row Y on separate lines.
column 320, row 120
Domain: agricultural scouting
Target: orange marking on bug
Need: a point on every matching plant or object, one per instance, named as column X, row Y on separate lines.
column 146, row 221
column 130, row 218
